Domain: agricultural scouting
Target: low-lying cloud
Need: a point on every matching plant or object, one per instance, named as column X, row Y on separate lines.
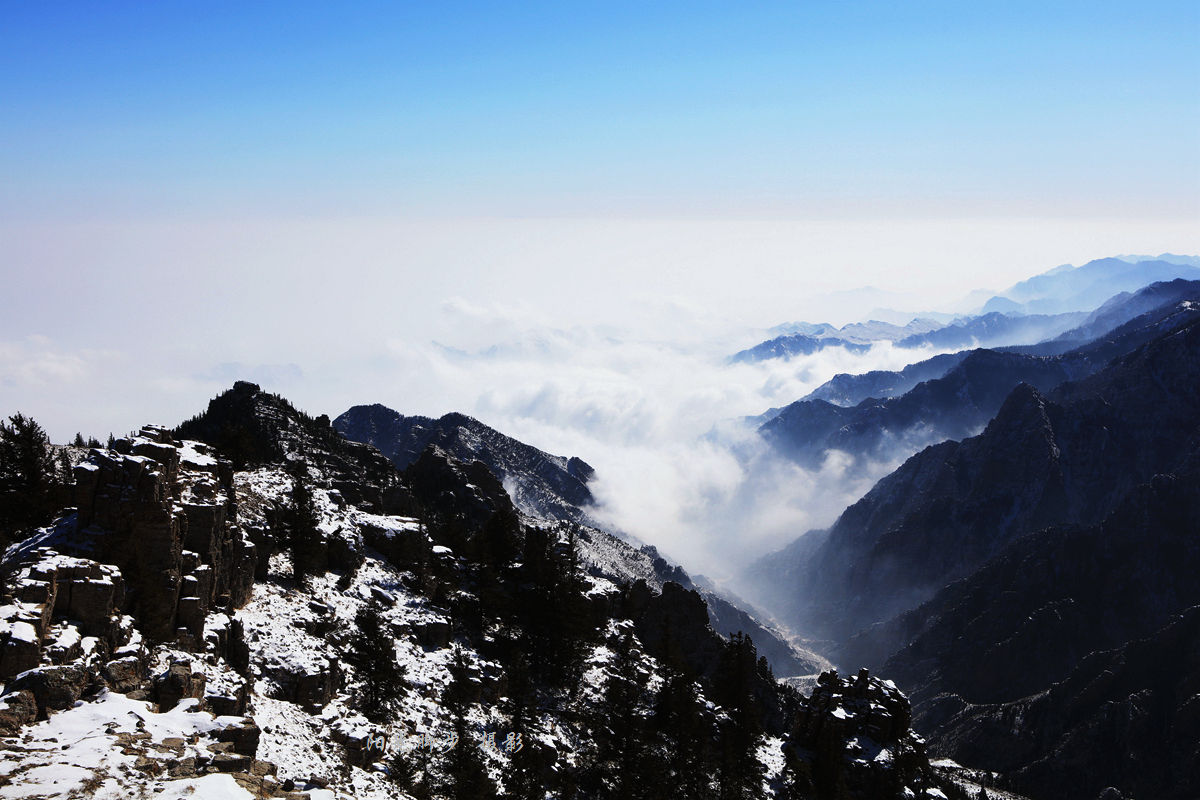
column 661, row 421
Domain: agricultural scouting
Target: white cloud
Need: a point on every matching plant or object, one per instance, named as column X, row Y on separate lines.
column 655, row 418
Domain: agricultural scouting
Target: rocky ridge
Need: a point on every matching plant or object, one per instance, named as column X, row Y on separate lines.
column 213, row 670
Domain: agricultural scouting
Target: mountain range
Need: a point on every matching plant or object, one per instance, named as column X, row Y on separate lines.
column 1033, row 586
column 971, row 387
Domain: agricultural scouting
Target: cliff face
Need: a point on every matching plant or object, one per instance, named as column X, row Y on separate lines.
column 168, row 512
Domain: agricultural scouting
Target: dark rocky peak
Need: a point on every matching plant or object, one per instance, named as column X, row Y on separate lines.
column 1023, row 410
column 449, row 488
column 852, row 738
column 255, row 428
column 1025, row 619
column 542, row 485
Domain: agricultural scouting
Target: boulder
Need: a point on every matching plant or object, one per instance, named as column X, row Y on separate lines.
column 53, row 688
column 123, row 674
column 16, row 709
column 243, row 737
column 177, row 683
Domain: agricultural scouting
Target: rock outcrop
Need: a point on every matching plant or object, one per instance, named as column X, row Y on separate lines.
column 169, row 514
column 852, row 738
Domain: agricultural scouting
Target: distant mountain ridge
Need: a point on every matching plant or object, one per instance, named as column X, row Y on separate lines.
column 1068, row 457
column 970, row 392
column 846, row 389
column 1067, row 288
column 542, row 485
column 805, row 338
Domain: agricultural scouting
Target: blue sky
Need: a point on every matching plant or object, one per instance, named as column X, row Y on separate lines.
column 677, row 110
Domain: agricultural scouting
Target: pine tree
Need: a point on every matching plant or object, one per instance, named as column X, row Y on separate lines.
column 303, row 532
column 682, row 730
column 734, row 688
column 79, row 440
column 372, row 652
column 619, row 733
column 464, row 775
column 523, row 777
column 27, row 475
column 411, row 771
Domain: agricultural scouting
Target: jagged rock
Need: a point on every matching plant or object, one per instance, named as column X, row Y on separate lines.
column 21, row 647
column 17, row 708
column 451, row 489
column 433, row 634
column 169, row 514
column 242, row 737
column 178, row 682
column 123, row 674
column 306, row 686
column 673, row 625
column 231, row 762
column 852, row 739
column 53, row 688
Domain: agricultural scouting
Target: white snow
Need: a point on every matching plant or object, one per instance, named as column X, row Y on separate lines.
column 22, row 631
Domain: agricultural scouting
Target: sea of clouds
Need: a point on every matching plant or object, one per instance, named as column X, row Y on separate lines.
column 662, row 416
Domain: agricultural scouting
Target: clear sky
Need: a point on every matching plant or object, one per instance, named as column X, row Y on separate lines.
column 608, row 108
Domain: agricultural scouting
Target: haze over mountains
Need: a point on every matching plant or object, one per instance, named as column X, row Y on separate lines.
column 1007, row 542
column 1039, row 571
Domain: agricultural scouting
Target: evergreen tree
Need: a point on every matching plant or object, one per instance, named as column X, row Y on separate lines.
column 410, row 769
column 682, row 730
column 372, row 652
column 79, row 440
column 302, row 526
column 734, row 689
column 551, row 608
column 619, row 770
column 464, row 776
column 523, row 776
column 27, row 475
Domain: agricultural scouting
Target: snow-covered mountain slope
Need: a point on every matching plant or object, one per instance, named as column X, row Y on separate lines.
column 541, row 485
column 192, row 630
column 550, row 489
